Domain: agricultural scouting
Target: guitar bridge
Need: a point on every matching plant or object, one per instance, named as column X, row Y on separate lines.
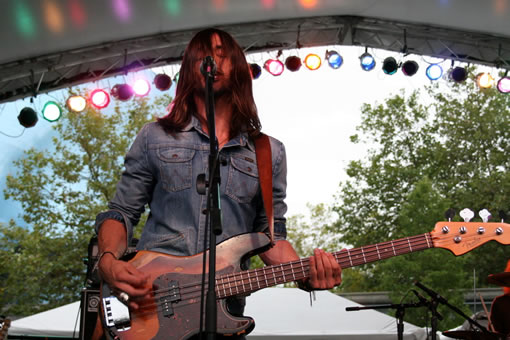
column 116, row 314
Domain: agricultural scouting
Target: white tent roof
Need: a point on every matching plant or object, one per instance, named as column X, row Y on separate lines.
column 57, row 322
column 286, row 313
column 278, row 312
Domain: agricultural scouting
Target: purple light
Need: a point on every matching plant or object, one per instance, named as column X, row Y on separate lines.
column 122, row 9
column 504, row 85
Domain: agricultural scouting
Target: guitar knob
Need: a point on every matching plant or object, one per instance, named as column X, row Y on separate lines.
column 463, row 230
column 445, row 230
column 480, row 230
column 457, row 239
column 467, row 214
column 499, row 231
column 485, row 215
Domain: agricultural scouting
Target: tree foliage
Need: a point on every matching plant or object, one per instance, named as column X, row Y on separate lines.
column 61, row 190
column 422, row 159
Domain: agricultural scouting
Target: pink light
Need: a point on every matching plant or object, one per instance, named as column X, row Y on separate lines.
column 99, row 98
column 141, row 87
column 274, row 66
column 122, row 9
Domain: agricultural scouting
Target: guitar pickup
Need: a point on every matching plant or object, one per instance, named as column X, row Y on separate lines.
column 166, row 300
column 116, row 314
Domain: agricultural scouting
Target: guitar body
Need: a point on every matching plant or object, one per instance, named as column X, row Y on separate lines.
column 174, row 311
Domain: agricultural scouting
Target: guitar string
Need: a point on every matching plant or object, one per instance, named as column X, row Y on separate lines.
column 241, row 287
column 400, row 247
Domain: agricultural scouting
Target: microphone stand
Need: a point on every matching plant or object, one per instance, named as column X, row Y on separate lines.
column 436, row 299
column 208, row 70
column 400, row 313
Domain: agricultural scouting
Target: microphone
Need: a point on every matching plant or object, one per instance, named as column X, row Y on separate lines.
column 208, row 67
column 430, row 292
column 420, row 297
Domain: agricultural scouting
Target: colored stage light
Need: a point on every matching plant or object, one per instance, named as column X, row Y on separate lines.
column 51, row 111
column 458, row 74
column 334, row 59
column 141, row 87
column 390, row 66
column 293, row 63
column 504, row 84
column 313, row 61
column 484, row 80
column 99, row 98
column 76, row 103
column 27, row 117
column 122, row 92
column 162, row 81
column 434, row 71
column 255, row 71
column 274, row 66
column 367, row 62
column 410, row 67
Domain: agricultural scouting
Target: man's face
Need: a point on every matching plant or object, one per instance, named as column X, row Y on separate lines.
column 222, row 82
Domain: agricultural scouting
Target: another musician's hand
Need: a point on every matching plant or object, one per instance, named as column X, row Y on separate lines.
column 325, row 272
column 122, row 276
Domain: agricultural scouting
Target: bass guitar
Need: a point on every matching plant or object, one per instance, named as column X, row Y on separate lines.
column 173, row 311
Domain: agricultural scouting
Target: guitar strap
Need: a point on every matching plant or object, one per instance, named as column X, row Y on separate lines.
column 264, row 165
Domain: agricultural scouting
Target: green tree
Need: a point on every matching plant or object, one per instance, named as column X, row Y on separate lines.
column 61, row 190
column 423, row 159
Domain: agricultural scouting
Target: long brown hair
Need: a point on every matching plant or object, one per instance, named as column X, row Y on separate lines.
column 244, row 115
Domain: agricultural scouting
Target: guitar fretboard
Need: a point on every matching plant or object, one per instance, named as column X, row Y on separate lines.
column 251, row 280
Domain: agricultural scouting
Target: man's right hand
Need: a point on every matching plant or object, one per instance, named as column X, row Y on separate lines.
column 122, row 276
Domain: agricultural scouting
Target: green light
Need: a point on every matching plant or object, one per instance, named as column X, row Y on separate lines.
column 51, row 111
column 173, row 6
column 24, row 19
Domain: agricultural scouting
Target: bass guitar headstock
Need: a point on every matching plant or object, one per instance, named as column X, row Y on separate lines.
column 462, row 237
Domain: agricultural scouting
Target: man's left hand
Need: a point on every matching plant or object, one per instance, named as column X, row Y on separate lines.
column 325, row 272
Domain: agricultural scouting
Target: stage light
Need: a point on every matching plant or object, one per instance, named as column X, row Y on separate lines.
column 434, row 71
column 484, row 80
column 293, row 63
column 27, row 117
column 255, row 71
column 367, row 62
column 122, row 92
column 334, row 59
column 99, row 98
column 141, row 87
column 162, row 81
column 410, row 67
column 504, row 85
column 458, row 74
column 313, row 61
column 51, row 111
column 76, row 103
column 274, row 66
column 390, row 66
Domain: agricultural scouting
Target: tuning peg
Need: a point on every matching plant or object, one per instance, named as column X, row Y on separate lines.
column 485, row 215
column 502, row 215
column 449, row 214
column 467, row 214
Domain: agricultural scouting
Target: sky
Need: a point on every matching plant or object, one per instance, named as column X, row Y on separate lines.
column 312, row 112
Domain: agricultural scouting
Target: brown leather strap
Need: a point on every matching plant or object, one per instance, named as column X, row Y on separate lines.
column 264, row 165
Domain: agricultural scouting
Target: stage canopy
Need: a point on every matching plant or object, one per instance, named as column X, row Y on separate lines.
column 53, row 44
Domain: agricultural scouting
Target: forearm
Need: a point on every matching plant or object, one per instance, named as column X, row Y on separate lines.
column 112, row 237
column 281, row 252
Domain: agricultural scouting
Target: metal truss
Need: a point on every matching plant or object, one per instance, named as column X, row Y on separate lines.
column 46, row 73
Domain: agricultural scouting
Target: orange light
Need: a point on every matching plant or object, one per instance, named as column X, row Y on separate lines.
column 53, row 16
column 313, row 61
column 309, row 3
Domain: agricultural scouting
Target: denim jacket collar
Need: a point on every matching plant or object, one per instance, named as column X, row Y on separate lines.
column 240, row 140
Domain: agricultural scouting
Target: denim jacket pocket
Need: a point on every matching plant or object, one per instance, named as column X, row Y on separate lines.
column 243, row 179
column 175, row 167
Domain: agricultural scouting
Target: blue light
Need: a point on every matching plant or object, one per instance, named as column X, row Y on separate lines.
column 335, row 60
column 434, row 71
column 367, row 62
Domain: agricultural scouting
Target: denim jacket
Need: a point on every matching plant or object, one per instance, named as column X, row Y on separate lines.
column 161, row 170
